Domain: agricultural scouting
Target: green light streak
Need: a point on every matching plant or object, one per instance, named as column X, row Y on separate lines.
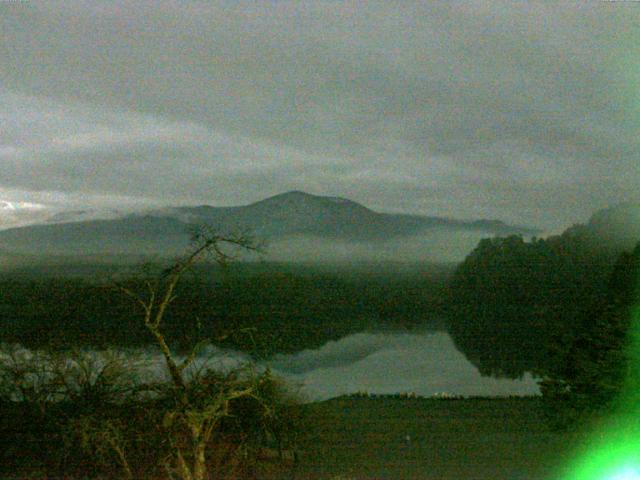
column 627, row 474
column 613, row 449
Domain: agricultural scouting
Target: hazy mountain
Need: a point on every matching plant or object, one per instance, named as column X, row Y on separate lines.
column 297, row 225
column 296, row 213
column 86, row 215
column 614, row 229
column 619, row 224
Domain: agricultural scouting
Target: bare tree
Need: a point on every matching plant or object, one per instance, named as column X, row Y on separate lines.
column 198, row 411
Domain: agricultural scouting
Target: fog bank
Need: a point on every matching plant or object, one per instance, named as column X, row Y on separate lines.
column 439, row 245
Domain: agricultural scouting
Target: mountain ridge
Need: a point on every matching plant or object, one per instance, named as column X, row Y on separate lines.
column 293, row 214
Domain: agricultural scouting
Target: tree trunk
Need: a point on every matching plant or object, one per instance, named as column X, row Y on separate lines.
column 199, row 461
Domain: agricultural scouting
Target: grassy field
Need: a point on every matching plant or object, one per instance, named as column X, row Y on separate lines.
column 358, row 438
column 396, row 438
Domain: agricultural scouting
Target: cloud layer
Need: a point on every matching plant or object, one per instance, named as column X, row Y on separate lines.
column 524, row 112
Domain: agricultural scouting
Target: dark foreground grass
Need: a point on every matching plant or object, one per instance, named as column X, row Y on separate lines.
column 361, row 438
column 405, row 438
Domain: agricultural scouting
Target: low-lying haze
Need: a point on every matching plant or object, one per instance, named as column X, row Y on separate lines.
column 438, row 245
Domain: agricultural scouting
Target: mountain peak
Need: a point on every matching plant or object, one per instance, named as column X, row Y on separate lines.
column 299, row 197
column 618, row 224
column 298, row 193
column 291, row 194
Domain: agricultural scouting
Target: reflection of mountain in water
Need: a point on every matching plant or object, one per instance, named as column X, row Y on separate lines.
column 424, row 364
column 392, row 363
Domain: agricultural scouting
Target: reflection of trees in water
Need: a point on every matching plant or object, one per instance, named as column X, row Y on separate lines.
column 510, row 297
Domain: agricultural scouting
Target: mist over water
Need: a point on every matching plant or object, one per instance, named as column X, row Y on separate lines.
column 378, row 363
column 437, row 244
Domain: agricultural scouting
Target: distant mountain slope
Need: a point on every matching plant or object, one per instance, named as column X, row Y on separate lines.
column 616, row 228
column 295, row 213
column 128, row 235
column 288, row 215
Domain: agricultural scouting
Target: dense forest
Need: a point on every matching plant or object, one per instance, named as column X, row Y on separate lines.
column 511, row 298
column 561, row 308
column 597, row 365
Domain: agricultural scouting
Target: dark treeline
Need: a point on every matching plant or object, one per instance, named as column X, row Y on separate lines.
column 598, row 364
column 513, row 304
column 266, row 308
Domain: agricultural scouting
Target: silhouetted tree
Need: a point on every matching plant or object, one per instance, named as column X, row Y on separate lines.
column 200, row 404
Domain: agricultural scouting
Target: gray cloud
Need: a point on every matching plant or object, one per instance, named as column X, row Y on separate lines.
column 524, row 112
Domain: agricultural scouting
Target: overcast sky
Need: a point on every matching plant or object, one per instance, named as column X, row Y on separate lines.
column 525, row 112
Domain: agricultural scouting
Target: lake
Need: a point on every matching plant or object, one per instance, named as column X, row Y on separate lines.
column 425, row 364
column 387, row 363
